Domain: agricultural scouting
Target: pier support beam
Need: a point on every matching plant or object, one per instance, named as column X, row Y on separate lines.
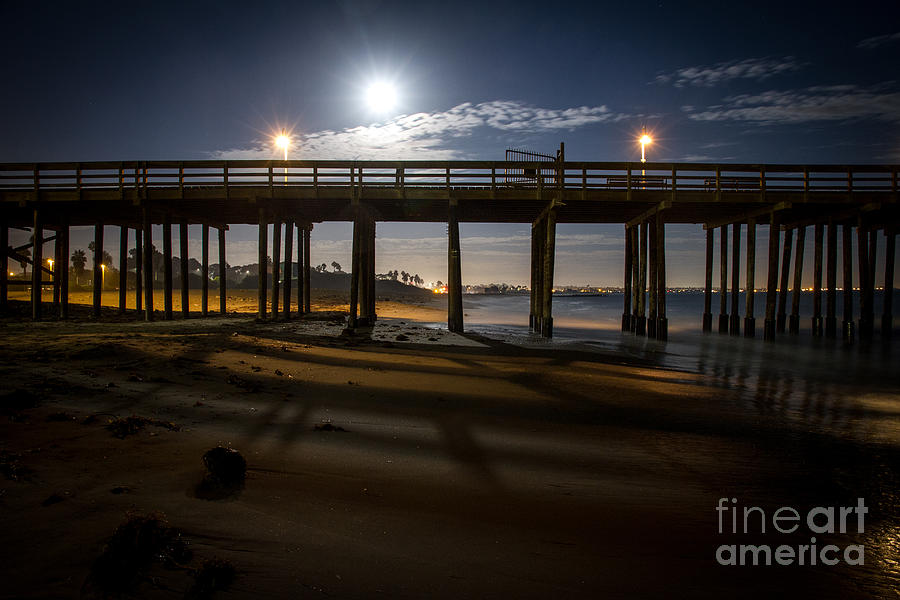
column 735, row 319
column 63, row 234
column 98, row 267
column 148, row 263
column 370, row 271
column 355, row 265
column 276, row 265
column 37, row 258
column 641, row 326
column 818, row 328
column 223, row 273
column 288, row 266
column 4, row 262
column 454, row 271
column 866, row 315
column 635, row 275
column 204, row 270
column 306, row 268
column 887, row 317
column 138, row 270
column 662, row 322
column 653, row 257
column 772, row 279
column 539, row 239
column 781, row 318
column 794, row 321
column 123, row 267
column 167, row 267
column 549, row 260
column 723, row 279
column 707, row 289
column 749, row 295
column 57, row 267
column 847, row 324
column 626, row 285
column 185, row 279
column 301, row 263
column 831, row 283
column 262, row 284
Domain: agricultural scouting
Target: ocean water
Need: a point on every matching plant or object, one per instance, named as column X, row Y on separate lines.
column 842, row 385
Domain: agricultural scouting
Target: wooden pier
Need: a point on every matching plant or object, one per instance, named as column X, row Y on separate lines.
column 49, row 198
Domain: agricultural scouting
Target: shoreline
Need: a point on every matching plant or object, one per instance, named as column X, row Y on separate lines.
column 467, row 467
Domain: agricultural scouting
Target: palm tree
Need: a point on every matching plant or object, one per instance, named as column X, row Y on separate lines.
column 78, row 261
column 336, row 266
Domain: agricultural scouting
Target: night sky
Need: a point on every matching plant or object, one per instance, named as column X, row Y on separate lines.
column 773, row 82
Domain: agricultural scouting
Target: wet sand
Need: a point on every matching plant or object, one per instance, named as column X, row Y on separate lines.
column 467, row 467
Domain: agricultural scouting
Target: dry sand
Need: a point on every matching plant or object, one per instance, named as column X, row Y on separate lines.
column 467, row 468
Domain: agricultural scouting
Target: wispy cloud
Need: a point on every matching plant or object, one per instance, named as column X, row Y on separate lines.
column 878, row 40
column 431, row 135
column 711, row 75
column 831, row 103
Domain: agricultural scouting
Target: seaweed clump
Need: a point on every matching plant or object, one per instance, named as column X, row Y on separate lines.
column 122, row 428
column 136, row 543
column 213, row 575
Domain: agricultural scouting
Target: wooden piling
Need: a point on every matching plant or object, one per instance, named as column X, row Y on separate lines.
column 831, row 283
column 355, row 265
column 626, row 285
column 204, row 270
column 662, row 322
column 454, row 274
column 651, row 282
column 57, row 267
column 262, row 285
column 364, row 303
column 887, row 317
column 301, row 262
column 818, row 323
column 306, row 269
column 862, row 254
column 735, row 318
column 138, row 270
column 37, row 257
column 4, row 262
column 707, row 290
column 223, row 273
column 549, row 263
column 723, row 279
column 781, row 317
column 847, row 324
column 288, row 266
column 539, row 231
column 185, row 269
column 641, row 327
column 371, row 271
column 635, row 275
column 64, row 271
column 98, row 269
column 770, row 323
column 148, row 263
column 794, row 322
column 276, row 265
column 750, row 287
column 123, row 268
column 167, row 266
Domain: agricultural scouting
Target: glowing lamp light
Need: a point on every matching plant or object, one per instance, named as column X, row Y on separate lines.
column 644, row 141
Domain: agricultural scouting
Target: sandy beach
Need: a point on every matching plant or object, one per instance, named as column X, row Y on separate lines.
column 449, row 466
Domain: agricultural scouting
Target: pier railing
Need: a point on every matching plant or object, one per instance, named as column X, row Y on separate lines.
column 586, row 176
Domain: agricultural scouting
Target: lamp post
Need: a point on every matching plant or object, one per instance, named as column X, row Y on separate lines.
column 50, row 262
column 283, row 141
column 102, row 276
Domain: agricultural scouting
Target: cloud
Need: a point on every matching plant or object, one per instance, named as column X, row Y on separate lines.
column 878, row 40
column 831, row 103
column 431, row 135
column 709, row 76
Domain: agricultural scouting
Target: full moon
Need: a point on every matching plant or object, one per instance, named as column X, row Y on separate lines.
column 381, row 96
